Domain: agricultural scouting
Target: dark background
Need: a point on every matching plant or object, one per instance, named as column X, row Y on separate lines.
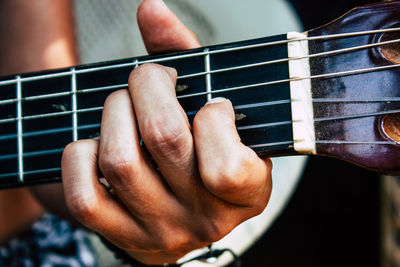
column 333, row 218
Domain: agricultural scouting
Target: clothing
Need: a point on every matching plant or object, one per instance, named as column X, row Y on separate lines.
column 50, row 242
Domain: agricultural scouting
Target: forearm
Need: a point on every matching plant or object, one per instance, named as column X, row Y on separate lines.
column 35, row 35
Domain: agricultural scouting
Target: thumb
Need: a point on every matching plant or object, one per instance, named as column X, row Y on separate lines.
column 161, row 29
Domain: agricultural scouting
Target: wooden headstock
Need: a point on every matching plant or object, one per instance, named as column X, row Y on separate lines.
column 357, row 115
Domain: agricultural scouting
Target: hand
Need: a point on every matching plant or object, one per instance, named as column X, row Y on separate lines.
column 205, row 181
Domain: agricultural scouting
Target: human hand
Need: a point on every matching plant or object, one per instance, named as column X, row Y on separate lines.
column 205, row 181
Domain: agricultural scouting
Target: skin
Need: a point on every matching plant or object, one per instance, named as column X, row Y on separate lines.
column 207, row 182
column 33, row 44
column 203, row 181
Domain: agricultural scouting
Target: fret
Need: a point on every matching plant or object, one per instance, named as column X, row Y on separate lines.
column 208, row 75
column 74, row 106
column 8, row 136
column 41, row 115
column 20, row 132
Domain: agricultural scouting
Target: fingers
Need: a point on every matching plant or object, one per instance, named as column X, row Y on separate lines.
column 123, row 163
column 88, row 200
column 229, row 169
column 161, row 29
column 164, row 126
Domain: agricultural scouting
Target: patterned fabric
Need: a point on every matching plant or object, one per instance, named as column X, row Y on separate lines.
column 50, row 242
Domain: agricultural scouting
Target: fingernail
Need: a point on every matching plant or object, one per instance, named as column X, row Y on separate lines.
column 215, row 100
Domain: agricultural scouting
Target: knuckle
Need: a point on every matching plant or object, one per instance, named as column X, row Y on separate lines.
column 215, row 229
column 180, row 241
column 228, row 177
column 165, row 136
column 172, row 237
column 84, row 209
column 118, row 163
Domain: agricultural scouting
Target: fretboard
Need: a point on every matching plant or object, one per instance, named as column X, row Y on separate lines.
column 40, row 113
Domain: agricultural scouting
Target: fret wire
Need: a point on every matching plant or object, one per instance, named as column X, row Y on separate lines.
column 74, row 101
column 136, row 63
column 20, row 131
column 223, row 50
column 209, row 72
column 207, row 66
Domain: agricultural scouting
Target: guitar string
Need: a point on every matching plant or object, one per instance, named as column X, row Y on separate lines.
column 330, row 142
column 336, row 100
column 243, row 128
column 202, row 53
column 218, row 91
column 192, row 113
column 246, row 66
column 316, row 120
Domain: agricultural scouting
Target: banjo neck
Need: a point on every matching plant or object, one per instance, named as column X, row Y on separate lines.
column 331, row 91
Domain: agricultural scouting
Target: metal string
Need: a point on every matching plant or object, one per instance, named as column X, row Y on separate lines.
column 328, row 75
column 242, row 128
column 330, row 142
column 125, row 85
column 202, row 53
column 225, row 90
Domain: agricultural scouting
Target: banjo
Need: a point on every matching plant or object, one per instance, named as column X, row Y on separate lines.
column 330, row 91
column 326, row 92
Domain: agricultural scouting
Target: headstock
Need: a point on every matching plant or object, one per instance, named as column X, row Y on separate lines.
column 357, row 115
